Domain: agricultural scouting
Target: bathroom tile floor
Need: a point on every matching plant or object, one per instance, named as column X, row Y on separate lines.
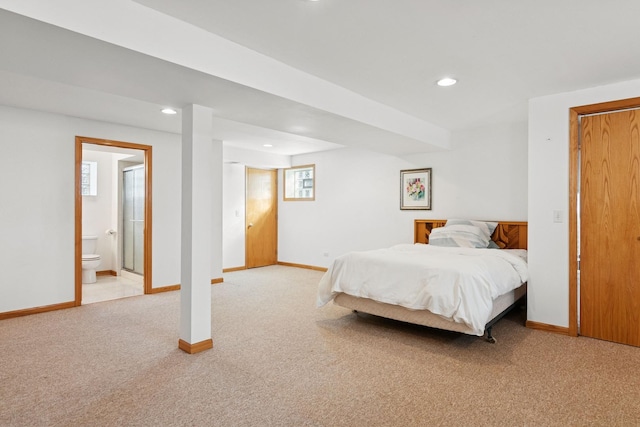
column 109, row 288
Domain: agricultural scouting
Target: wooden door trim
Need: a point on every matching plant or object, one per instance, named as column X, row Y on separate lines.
column 148, row 214
column 574, row 137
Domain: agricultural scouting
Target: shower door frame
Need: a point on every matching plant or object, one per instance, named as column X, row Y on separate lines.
column 78, row 209
column 137, row 264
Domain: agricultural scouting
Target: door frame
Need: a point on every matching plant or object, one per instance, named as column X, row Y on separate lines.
column 147, row 149
column 574, row 169
column 121, row 204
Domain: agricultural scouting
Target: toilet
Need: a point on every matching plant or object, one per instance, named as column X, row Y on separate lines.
column 90, row 260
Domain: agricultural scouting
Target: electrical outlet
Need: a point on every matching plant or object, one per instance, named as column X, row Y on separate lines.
column 325, row 253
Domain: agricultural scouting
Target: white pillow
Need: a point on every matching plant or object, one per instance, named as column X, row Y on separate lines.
column 487, row 227
column 461, row 236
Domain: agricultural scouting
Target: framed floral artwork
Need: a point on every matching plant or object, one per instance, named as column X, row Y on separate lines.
column 415, row 189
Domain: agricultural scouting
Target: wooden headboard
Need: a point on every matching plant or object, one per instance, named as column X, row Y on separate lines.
column 508, row 234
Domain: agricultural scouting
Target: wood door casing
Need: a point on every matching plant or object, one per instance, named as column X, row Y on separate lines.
column 148, row 233
column 261, row 228
column 610, row 227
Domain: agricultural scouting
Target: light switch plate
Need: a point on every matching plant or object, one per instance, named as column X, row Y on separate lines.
column 557, row 216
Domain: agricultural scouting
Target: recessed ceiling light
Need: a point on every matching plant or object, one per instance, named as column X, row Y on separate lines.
column 298, row 129
column 169, row 111
column 447, row 81
column 268, row 145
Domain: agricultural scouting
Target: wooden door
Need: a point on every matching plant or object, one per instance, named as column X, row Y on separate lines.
column 261, row 218
column 610, row 227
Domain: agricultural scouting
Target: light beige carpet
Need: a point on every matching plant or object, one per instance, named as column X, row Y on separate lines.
column 279, row 361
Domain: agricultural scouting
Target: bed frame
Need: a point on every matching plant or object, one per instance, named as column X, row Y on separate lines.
column 508, row 235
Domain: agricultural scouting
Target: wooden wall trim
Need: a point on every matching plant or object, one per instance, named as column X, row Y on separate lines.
column 111, row 143
column 78, row 226
column 549, row 328
column 574, row 138
column 168, row 288
column 196, row 347
column 604, row 107
column 148, row 220
column 35, row 310
column 308, row 267
column 286, row 264
column 106, row 273
column 229, row 270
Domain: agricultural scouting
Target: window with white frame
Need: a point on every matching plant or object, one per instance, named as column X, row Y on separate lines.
column 299, row 183
column 89, row 178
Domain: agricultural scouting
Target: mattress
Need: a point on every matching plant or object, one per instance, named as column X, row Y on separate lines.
column 424, row 317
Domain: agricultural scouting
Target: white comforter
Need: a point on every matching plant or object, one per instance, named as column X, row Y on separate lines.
column 457, row 283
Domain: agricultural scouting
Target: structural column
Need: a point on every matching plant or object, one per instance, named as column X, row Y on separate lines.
column 197, row 229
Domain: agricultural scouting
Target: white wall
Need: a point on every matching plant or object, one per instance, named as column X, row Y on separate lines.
column 233, row 216
column 357, row 204
column 356, row 207
column 97, row 212
column 37, row 209
column 234, row 198
column 548, row 294
column 484, row 176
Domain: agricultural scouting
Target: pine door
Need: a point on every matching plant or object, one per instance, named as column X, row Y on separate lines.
column 261, row 218
column 610, row 227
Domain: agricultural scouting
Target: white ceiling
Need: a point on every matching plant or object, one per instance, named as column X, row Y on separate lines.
column 389, row 53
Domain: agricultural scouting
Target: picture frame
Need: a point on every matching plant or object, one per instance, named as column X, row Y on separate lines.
column 415, row 189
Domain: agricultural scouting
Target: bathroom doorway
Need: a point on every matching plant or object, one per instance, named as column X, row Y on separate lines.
column 123, row 223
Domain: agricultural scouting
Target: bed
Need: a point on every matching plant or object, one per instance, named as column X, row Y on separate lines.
column 446, row 284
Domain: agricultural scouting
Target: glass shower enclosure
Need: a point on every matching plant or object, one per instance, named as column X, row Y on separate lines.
column 133, row 198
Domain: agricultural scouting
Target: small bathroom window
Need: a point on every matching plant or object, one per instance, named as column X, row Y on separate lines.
column 89, row 178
